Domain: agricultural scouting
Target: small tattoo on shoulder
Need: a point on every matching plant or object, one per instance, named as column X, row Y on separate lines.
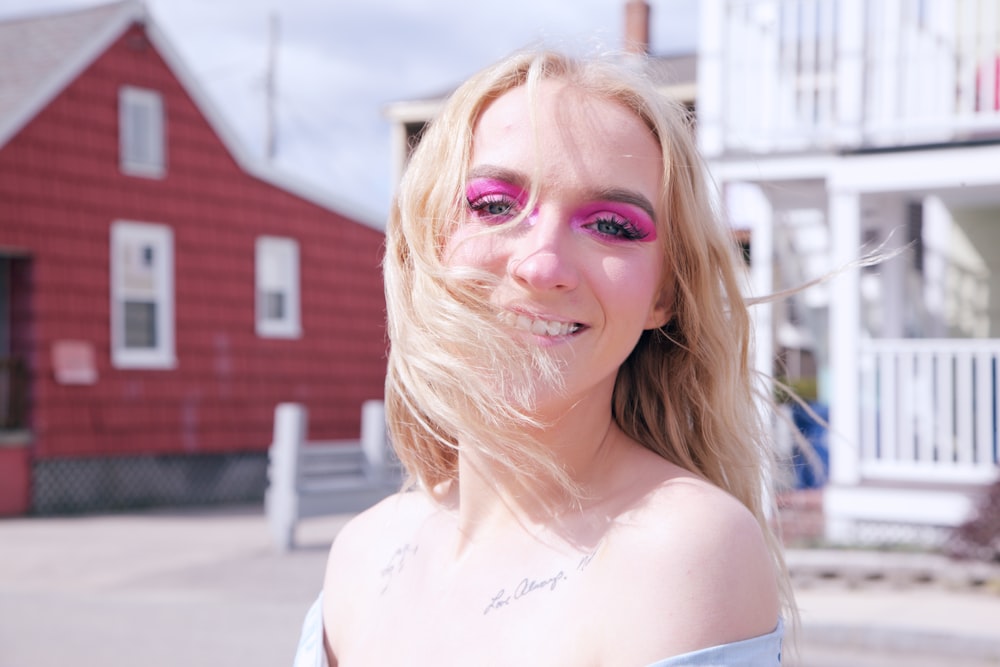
column 396, row 564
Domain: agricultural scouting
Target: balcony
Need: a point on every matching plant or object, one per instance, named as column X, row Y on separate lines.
column 826, row 76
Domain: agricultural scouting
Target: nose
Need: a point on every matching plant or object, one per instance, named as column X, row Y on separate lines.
column 541, row 256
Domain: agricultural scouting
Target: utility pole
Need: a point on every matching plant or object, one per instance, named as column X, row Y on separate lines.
column 271, row 89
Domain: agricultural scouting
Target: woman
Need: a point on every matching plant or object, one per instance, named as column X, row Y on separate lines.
column 569, row 388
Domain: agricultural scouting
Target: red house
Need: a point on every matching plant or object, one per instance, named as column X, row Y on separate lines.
column 160, row 289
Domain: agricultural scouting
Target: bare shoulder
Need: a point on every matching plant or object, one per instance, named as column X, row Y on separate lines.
column 376, row 530
column 695, row 561
column 381, row 523
column 364, row 551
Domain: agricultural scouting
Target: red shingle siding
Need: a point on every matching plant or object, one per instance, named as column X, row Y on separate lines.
column 60, row 191
column 15, row 476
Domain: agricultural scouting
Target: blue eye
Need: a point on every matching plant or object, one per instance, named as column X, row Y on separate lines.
column 618, row 228
column 608, row 227
column 493, row 207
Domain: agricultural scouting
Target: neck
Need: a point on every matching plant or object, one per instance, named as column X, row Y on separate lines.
column 489, row 497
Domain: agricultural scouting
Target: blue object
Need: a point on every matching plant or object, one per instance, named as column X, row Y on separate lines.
column 811, row 472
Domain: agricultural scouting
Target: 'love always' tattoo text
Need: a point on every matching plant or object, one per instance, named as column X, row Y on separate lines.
column 502, row 598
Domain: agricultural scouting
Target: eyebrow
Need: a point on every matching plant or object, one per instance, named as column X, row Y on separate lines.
column 627, row 197
column 517, row 178
column 500, row 174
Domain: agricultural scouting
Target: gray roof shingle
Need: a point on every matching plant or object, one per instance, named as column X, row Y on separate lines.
column 41, row 54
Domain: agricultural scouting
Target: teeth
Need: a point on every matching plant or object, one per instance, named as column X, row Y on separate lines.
column 539, row 327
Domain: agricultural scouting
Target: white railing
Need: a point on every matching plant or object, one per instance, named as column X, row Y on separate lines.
column 777, row 83
column 823, row 74
column 930, row 410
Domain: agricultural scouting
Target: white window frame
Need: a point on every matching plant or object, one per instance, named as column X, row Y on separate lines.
column 155, row 283
column 276, row 269
column 142, row 142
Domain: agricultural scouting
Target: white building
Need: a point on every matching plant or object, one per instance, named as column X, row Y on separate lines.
column 841, row 127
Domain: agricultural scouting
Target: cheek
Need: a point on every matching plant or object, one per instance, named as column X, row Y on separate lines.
column 468, row 248
column 633, row 285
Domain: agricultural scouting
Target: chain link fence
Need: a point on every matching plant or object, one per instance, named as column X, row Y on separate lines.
column 70, row 486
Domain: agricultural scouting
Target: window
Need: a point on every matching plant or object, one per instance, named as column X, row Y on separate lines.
column 141, row 131
column 142, row 296
column 277, row 262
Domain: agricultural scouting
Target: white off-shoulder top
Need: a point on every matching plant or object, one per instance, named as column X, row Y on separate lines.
column 762, row 651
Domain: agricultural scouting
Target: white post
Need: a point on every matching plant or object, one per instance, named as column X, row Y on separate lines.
column 850, row 71
column 748, row 207
column 373, row 439
column 762, row 269
column 281, row 499
column 749, row 201
column 845, row 333
column 893, row 227
column 937, row 235
column 710, row 76
column 844, row 344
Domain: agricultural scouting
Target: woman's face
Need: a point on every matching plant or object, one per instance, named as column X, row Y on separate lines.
column 581, row 275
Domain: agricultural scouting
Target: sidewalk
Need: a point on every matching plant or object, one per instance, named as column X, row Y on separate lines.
column 206, row 588
column 867, row 608
column 158, row 589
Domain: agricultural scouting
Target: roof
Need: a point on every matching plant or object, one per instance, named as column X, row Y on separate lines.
column 674, row 70
column 677, row 74
column 43, row 54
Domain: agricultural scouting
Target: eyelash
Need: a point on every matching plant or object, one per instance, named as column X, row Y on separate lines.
column 628, row 230
column 480, row 205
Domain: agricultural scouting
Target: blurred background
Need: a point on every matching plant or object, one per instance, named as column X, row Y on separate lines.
column 192, row 197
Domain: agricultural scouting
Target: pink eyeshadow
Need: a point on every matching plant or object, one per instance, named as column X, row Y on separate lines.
column 490, row 186
column 634, row 214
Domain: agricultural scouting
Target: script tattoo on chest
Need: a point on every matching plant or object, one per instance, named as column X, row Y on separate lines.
column 585, row 560
column 503, row 598
column 396, row 564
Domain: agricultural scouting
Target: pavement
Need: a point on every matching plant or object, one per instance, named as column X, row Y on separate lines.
column 206, row 587
column 877, row 608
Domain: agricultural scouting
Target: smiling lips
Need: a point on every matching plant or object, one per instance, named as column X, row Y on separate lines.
column 537, row 326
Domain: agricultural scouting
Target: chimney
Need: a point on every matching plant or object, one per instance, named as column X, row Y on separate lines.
column 637, row 27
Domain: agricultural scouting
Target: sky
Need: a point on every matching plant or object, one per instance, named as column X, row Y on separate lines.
column 340, row 62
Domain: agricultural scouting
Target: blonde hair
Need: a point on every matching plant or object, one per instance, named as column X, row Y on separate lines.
column 687, row 390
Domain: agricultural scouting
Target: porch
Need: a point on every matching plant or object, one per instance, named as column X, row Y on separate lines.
column 905, row 353
column 928, row 441
column 839, row 127
column 929, row 410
